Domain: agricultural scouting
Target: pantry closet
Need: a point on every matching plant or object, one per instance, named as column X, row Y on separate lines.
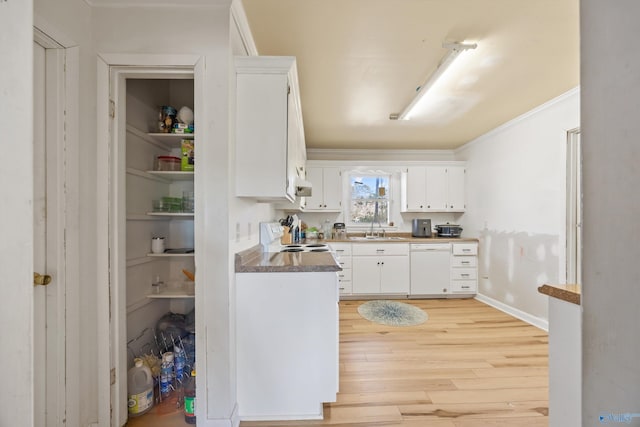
column 159, row 203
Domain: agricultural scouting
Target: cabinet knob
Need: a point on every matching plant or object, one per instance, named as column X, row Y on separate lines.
column 428, row 206
column 444, row 289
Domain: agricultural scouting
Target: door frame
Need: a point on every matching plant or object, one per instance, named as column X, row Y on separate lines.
column 62, row 252
column 113, row 70
column 574, row 208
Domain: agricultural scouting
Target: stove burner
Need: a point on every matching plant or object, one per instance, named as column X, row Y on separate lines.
column 319, row 250
column 293, row 250
column 293, row 246
column 316, row 245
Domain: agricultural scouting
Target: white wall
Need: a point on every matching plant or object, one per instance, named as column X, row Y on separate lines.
column 516, row 202
column 611, row 158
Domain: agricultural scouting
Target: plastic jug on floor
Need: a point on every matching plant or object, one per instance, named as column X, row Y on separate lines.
column 140, row 389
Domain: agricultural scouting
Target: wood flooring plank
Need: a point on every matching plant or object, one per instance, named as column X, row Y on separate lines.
column 476, row 410
column 500, row 382
column 489, row 395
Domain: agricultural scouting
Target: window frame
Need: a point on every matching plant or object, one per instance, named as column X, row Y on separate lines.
column 387, row 181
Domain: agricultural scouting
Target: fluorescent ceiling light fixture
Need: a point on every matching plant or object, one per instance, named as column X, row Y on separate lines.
column 455, row 49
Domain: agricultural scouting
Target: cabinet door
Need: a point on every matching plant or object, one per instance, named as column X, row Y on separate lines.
column 394, row 275
column 292, row 145
column 436, row 177
column 365, row 275
column 332, row 188
column 316, row 201
column 456, row 198
column 415, row 190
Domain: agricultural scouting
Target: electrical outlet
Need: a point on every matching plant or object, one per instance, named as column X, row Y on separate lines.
column 249, row 231
column 237, row 231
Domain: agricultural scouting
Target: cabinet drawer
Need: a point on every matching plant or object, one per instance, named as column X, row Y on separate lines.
column 464, row 261
column 464, row 286
column 344, row 262
column 345, row 288
column 380, row 249
column 465, row 248
column 344, row 275
column 463, row 274
column 341, row 249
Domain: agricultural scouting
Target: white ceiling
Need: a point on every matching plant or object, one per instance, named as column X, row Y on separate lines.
column 361, row 60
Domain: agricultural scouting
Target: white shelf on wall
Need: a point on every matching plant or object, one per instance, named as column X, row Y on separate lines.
column 145, row 217
column 162, row 140
column 171, row 138
column 171, row 214
column 181, row 290
column 172, row 175
column 190, row 254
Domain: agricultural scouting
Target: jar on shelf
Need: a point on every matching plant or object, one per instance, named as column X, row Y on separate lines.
column 168, row 163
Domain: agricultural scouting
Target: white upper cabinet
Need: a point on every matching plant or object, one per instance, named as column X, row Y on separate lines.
column 455, row 179
column 270, row 146
column 326, row 189
column 433, row 189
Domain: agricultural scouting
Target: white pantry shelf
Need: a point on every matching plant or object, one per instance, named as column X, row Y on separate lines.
column 173, row 175
column 172, row 214
column 184, row 290
column 190, row 254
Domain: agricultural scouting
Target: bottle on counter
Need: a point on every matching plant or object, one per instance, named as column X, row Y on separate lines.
column 190, row 399
column 326, row 229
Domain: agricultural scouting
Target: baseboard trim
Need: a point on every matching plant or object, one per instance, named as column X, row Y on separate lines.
column 232, row 421
column 518, row 314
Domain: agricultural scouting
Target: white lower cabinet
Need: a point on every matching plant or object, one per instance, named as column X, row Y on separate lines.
column 287, row 344
column 380, row 268
column 342, row 252
column 464, row 268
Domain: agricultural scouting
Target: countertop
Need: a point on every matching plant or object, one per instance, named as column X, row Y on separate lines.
column 404, row 238
column 569, row 293
column 254, row 260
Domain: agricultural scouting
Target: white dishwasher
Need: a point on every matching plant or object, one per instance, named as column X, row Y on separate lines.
column 430, row 269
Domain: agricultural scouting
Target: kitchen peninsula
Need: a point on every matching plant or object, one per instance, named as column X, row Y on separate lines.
column 287, row 333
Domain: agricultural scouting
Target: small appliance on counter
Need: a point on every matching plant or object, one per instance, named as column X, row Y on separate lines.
column 339, row 231
column 448, row 230
column 421, row 228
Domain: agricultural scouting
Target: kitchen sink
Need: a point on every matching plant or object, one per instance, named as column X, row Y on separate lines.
column 377, row 238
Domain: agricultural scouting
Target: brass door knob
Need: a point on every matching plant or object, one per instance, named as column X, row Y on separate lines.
column 41, row 279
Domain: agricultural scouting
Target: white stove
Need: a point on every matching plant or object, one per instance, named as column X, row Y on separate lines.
column 305, row 247
column 272, row 232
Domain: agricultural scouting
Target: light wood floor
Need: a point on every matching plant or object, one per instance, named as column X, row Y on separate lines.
column 468, row 365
